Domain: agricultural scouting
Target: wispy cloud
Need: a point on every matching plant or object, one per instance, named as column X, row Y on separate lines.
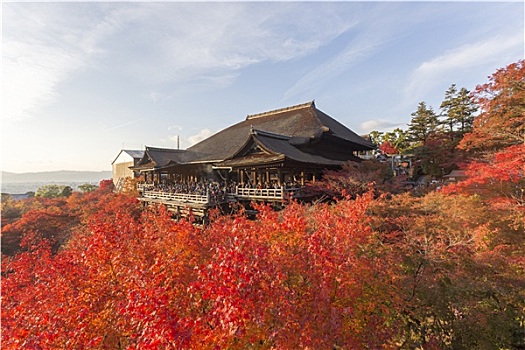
column 229, row 38
column 380, row 125
column 46, row 44
column 460, row 60
column 43, row 45
column 203, row 134
column 175, row 127
column 365, row 38
column 122, row 125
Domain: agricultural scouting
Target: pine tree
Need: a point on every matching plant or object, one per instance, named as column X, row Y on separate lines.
column 447, row 106
column 458, row 109
column 464, row 110
column 424, row 122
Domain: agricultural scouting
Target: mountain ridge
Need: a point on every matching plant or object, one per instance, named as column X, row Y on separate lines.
column 56, row 176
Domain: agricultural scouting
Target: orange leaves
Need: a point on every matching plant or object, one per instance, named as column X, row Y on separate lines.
column 299, row 278
column 502, row 119
column 359, row 273
column 303, row 277
column 500, row 181
column 388, row 148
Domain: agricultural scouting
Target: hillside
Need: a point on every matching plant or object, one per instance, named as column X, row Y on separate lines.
column 56, row 176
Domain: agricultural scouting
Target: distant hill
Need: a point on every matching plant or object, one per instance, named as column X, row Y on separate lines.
column 56, row 176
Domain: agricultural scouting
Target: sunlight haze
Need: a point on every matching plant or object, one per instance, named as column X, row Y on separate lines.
column 82, row 80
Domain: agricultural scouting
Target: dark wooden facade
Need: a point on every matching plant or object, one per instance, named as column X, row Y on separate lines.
column 285, row 148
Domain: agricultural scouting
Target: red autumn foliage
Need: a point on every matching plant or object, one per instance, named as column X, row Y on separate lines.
column 144, row 281
column 502, row 119
column 387, row 148
column 362, row 273
column 441, row 271
column 500, row 180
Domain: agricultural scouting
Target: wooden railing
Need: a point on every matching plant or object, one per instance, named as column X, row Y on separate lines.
column 177, row 197
column 143, row 186
column 240, row 192
column 265, row 193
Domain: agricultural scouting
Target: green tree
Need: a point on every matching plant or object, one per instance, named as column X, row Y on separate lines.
column 53, row 191
column 465, row 110
column 87, row 187
column 9, row 208
column 458, row 109
column 398, row 139
column 66, row 191
column 422, row 129
column 376, row 137
column 447, row 106
column 424, row 123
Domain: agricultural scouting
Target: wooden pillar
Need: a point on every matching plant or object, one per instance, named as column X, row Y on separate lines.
column 302, row 178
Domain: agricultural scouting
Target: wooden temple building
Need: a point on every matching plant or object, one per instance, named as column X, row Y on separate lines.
column 266, row 157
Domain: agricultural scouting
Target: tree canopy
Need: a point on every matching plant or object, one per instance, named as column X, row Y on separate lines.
column 501, row 122
column 54, row 191
column 372, row 269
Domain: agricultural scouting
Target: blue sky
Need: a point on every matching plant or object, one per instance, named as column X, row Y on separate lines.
column 82, row 80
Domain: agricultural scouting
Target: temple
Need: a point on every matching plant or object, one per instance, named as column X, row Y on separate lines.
column 267, row 157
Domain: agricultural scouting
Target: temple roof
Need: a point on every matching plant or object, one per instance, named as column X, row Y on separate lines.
column 159, row 157
column 272, row 148
column 300, row 122
column 135, row 154
column 299, row 133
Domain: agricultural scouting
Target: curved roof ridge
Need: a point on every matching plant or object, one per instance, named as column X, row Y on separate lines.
column 269, row 134
column 160, row 149
column 280, row 110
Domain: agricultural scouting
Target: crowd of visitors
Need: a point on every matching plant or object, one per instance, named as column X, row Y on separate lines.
column 270, row 185
column 216, row 190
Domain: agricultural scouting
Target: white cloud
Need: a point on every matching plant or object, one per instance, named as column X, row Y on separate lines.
column 129, row 122
column 175, row 127
column 380, row 125
column 459, row 60
column 172, row 46
column 228, row 38
column 31, row 73
column 369, row 31
column 43, row 45
column 203, row 134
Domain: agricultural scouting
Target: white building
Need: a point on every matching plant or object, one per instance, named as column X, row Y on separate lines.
column 121, row 164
